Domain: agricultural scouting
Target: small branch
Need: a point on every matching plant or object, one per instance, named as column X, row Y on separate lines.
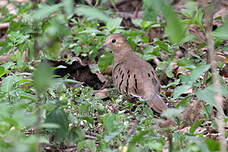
column 133, row 127
column 114, row 6
column 137, row 10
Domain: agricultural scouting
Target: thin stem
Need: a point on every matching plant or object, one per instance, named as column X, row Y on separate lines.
column 209, row 12
column 38, row 121
column 218, row 95
column 170, row 138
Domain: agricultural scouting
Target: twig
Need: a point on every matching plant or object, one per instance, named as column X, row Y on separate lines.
column 137, row 10
column 114, row 6
column 133, row 127
column 209, row 12
column 90, row 137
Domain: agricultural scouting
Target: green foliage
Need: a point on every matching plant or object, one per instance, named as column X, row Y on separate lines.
column 208, row 94
column 94, row 13
column 87, row 144
column 70, row 113
column 195, row 126
column 179, row 90
column 221, row 32
column 174, row 28
column 189, row 81
column 42, row 77
column 149, row 13
column 105, row 60
column 59, row 118
column 194, row 14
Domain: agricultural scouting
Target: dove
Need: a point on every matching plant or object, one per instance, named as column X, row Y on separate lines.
column 133, row 76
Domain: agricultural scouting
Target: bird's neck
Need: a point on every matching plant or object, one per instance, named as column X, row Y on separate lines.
column 122, row 55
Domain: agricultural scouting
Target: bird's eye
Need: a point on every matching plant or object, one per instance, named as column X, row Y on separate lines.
column 114, row 40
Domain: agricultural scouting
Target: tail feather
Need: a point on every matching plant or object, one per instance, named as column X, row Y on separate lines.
column 157, row 103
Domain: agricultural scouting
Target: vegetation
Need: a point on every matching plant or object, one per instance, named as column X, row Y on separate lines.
column 55, row 89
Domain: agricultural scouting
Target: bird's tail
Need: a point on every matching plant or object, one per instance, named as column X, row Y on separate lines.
column 157, row 103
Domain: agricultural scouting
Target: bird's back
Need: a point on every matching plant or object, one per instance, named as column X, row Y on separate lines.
column 134, row 76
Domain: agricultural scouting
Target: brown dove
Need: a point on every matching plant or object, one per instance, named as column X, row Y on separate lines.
column 132, row 75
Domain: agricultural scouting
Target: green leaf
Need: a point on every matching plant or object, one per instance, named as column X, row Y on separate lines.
column 111, row 125
column 222, row 32
column 105, row 60
column 68, row 7
column 50, row 125
column 110, row 122
column 87, row 144
column 149, row 13
column 8, row 65
column 184, row 62
column 60, row 118
column 212, row 144
column 195, row 126
column 183, row 102
column 174, row 28
column 114, row 23
column 198, row 19
column 225, row 48
column 167, row 67
column 197, row 72
column 163, row 46
column 2, row 71
column 9, row 82
column 23, row 118
column 179, row 90
column 199, row 142
column 172, row 112
column 28, row 96
column 208, row 94
column 187, row 12
column 91, row 13
column 45, row 11
column 42, row 77
column 94, row 13
column 109, row 136
column 76, row 134
column 187, row 38
column 137, row 139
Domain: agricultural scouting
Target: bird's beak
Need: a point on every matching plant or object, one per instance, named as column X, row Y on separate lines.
column 102, row 47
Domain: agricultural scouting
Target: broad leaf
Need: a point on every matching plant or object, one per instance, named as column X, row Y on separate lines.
column 195, row 126
column 222, row 31
column 42, row 77
column 59, row 117
column 174, row 28
column 208, row 94
column 105, row 60
column 9, row 82
column 179, row 90
column 87, row 144
column 91, row 13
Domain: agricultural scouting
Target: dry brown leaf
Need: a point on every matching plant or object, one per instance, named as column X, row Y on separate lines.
column 104, row 93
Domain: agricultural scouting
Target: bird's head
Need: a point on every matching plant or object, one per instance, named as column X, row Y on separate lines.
column 116, row 43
